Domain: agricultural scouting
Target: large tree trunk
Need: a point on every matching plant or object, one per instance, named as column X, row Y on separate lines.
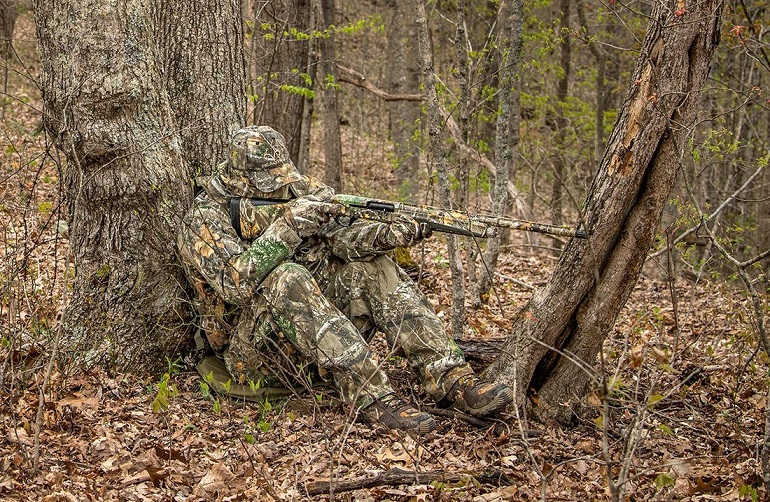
column 574, row 312
column 201, row 56
column 125, row 118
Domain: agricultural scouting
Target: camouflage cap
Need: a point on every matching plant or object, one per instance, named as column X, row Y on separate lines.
column 259, row 154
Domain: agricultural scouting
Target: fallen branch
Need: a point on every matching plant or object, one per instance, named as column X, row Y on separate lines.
column 355, row 78
column 483, row 351
column 395, row 477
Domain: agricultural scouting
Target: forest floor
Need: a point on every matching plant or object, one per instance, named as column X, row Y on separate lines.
column 684, row 418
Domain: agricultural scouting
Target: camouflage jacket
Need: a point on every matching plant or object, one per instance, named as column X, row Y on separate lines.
column 226, row 270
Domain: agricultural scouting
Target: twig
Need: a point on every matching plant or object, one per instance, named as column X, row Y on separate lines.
column 725, row 203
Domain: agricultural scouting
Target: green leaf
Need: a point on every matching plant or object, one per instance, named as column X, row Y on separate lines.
column 664, row 479
column 750, row 492
column 654, row 399
column 160, row 403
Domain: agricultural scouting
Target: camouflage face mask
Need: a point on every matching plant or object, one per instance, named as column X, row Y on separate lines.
column 259, row 157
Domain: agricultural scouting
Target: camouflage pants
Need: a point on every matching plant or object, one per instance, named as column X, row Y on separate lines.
column 331, row 329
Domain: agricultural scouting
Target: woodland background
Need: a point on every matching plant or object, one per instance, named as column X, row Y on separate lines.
column 681, row 408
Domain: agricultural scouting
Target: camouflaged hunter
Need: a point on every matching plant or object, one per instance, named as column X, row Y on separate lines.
column 306, row 289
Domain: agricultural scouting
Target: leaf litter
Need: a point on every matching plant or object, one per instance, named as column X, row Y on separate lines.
column 693, row 373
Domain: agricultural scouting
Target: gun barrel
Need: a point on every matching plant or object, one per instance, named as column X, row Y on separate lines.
column 531, row 226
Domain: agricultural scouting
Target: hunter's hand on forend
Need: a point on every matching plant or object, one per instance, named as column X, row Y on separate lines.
column 404, row 231
column 306, row 216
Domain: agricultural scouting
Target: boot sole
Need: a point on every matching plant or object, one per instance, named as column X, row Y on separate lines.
column 500, row 401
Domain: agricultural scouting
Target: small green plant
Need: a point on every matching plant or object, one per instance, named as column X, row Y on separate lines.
column 173, row 367
column 263, row 425
column 248, row 434
column 165, row 392
column 748, row 492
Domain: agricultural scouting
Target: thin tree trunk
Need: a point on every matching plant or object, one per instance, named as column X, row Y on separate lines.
column 562, row 91
column 507, row 132
column 113, row 109
column 281, row 68
column 437, row 150
column 404, row 78
column 600, row 55
column 7, row 23
column 462, row 60
column 328, row 85
column 579, row 305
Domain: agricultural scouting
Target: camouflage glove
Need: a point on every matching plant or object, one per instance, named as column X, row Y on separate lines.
column 404, row 231
column 307, row 215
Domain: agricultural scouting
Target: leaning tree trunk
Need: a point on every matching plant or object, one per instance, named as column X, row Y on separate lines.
column 577, row 308
column 112, row 104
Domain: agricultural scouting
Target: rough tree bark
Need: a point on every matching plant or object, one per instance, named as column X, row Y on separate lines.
column 576, row 309
column 125, row 117
column 200, row 48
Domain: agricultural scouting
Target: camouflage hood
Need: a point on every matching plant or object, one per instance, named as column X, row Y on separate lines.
column 258, row 159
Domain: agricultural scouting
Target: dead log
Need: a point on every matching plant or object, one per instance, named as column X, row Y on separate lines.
column 481, row 351
column 396, row 476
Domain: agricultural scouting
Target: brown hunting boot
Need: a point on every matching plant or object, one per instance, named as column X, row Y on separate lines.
column 480, row 399
column 395, row 413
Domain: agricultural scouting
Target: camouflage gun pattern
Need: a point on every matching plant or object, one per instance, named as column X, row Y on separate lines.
column 348, row 208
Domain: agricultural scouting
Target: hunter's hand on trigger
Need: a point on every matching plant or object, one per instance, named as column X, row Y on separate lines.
column 306, row 216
